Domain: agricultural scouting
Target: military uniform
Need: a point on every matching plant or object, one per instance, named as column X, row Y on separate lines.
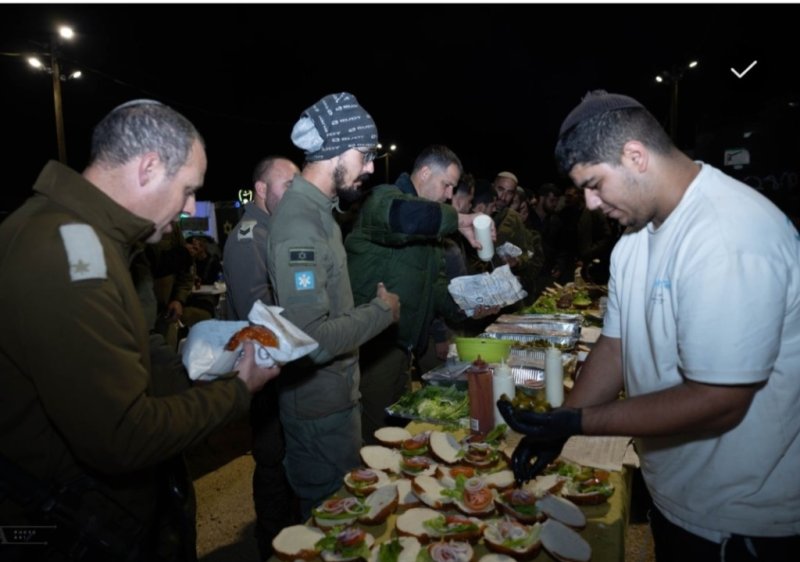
column 246, row 279
column 319, row 393
column 397, row 239
column 511, row 228
column 244, row 261
column 75, row 374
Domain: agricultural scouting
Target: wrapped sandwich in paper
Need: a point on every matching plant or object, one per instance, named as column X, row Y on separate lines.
column 212, row 347
column 498, row 288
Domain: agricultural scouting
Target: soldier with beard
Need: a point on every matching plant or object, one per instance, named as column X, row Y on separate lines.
column 307, row 266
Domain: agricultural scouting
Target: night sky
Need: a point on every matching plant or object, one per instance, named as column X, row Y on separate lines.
column 493, row 82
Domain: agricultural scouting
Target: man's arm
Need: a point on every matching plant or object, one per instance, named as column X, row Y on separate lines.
column 688, row 407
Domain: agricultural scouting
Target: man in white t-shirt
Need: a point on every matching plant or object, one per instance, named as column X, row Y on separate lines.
column 702, row 332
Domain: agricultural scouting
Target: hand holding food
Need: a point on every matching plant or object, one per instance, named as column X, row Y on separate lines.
column 256, row 333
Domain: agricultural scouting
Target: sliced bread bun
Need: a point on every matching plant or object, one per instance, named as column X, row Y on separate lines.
column 562, row 510
column 417, row 466
column 392, row 436
column 510, row 537
column 410, row 523
column 338, row 556
column 445, row 447
column 297, row 542
column 502, row 479
column 494, row 557
column 380, row 504
column 545, row 484
column 338, row 511
column 429, row 490
column 520, row 504
column 563, row 543
column 378, row 457
column 477, row 498
column 592, row 491
column 364, row 481
column 409, row 548
column 405, row 495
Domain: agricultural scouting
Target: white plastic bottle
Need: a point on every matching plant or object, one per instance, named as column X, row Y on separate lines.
column 502, row 383
column 554, row 377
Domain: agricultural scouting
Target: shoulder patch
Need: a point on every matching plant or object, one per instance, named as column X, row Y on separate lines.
column 84, row 252
column 245, row 231
column 304, row 281
column 298, row 256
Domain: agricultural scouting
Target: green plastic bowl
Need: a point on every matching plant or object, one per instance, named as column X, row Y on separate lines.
column 491, row 350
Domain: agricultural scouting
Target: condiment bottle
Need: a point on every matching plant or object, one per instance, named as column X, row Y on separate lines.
column 481, row 407
column 554, row 377
column 502, row 383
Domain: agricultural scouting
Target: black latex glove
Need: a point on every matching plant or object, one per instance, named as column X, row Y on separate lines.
column 529, row 448
column 545, row 435
column 555, row 424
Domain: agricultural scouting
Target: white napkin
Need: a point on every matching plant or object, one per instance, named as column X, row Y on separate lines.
column 204, row 354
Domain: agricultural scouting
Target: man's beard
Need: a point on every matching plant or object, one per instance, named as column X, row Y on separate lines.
column 347, row 193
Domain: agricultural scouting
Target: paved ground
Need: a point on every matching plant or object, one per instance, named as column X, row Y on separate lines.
column 223, row 470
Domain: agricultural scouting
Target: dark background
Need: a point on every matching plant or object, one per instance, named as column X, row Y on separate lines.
column 493, row 82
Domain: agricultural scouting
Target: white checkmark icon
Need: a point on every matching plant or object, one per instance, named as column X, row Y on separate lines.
column 745, row 71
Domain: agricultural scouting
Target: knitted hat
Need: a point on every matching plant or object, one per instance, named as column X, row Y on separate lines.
column 594, row 103
column 333, row 125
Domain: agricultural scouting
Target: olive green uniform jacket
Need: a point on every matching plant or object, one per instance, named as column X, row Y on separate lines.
column 308, row 270
column 398, row 239
column 75, row 375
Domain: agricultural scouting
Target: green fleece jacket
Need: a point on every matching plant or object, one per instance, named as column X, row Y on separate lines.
column 397, row 239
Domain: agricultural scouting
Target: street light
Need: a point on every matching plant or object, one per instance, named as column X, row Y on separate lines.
column 54, row 70
column 673, row 78
column 391, row 148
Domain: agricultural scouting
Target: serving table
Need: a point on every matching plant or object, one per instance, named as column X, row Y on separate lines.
column 606, row 523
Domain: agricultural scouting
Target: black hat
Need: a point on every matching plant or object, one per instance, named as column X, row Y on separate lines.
column 333, row 125
column 594, row 103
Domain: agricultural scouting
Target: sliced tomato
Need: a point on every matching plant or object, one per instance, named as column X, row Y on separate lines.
column 467, row 471
column 478, row 500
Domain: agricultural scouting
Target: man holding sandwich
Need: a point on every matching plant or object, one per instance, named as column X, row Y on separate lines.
column 702, row 331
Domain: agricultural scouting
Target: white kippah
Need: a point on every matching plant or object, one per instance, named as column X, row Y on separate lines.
column 508, row 175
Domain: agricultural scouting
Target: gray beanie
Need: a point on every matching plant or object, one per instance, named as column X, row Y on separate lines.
column 594, row 103
column 333, row 125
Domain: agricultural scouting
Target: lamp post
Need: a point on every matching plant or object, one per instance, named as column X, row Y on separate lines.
column 673, row 78
column 389, row 149
column 54, row 70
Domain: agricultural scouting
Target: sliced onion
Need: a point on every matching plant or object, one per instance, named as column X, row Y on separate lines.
column 474, row 484
column 352, row 505
column 450, row 552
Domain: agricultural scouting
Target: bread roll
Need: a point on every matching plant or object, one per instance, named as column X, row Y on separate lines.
column 563, row 543
column 297, row 542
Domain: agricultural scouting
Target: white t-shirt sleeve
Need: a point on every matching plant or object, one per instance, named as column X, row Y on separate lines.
column 611, row 322
column 730, row 316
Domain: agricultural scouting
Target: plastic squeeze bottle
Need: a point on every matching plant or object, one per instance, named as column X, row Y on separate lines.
column 481, row 407
column 554, row 377
column 502, row 383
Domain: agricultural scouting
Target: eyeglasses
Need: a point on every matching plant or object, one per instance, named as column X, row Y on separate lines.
column 368, row 154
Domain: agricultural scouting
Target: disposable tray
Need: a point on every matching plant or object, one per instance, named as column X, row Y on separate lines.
column 564, row 343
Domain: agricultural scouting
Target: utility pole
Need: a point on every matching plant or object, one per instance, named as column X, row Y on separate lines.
column 56, row 76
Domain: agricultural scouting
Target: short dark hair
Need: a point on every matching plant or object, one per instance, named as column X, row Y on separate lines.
column 548, row 188
column 466, row 185
column 263, row 167
column 600, row 138
column 141, row 126
column 439, row 156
